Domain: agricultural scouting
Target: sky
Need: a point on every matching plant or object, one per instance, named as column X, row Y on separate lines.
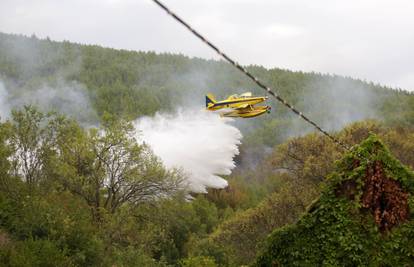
column 371, row 40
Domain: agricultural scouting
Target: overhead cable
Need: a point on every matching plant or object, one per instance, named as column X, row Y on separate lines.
column 251, row 76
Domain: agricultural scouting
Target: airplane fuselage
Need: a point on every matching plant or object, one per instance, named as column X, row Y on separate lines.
column 236, row 103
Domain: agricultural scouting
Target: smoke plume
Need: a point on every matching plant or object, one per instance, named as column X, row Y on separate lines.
column 333, row 103
column 201, row 143
column 4, row 105
column 340, row 102
column 69, row 98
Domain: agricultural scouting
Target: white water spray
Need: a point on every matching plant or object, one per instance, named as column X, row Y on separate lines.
column 201, row 143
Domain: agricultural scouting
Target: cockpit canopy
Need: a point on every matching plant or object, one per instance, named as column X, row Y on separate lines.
column 244, row 95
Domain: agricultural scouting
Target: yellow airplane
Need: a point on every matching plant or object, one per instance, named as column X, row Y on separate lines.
column 240, row 105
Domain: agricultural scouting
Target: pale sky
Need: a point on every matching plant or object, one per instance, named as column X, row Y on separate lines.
column 368, row 39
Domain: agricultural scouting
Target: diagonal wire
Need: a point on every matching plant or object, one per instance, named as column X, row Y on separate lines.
column 251, row 76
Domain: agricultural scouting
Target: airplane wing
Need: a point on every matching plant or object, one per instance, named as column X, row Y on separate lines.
column 232, row 97
column 247, row 94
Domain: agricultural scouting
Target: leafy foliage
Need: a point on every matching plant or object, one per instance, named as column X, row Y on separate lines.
column 338, row 230
column 292, row 177
column 66, row 190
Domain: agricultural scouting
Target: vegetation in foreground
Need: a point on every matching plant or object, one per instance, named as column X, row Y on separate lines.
column 361, row 218
column 295, row 175
column 76, row 197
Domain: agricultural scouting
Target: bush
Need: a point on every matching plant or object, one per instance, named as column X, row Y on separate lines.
column 33, row 253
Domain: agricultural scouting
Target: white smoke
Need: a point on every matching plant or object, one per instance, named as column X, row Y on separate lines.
column 4, row 104
column 201, row 143
column 334, row 102
column 69, row 98
column 342, row 102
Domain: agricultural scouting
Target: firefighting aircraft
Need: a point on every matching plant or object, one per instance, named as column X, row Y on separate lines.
column 241, row 106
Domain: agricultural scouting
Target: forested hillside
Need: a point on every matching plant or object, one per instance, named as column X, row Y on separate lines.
column 129, row 84
column 73, row 196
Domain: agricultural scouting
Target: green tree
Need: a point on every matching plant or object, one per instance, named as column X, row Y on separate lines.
column 108, row 167
column 31, row 141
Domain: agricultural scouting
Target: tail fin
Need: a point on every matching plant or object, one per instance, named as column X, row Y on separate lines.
column 210, row 100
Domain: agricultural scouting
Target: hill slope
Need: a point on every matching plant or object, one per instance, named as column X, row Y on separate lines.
column 131, row 84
